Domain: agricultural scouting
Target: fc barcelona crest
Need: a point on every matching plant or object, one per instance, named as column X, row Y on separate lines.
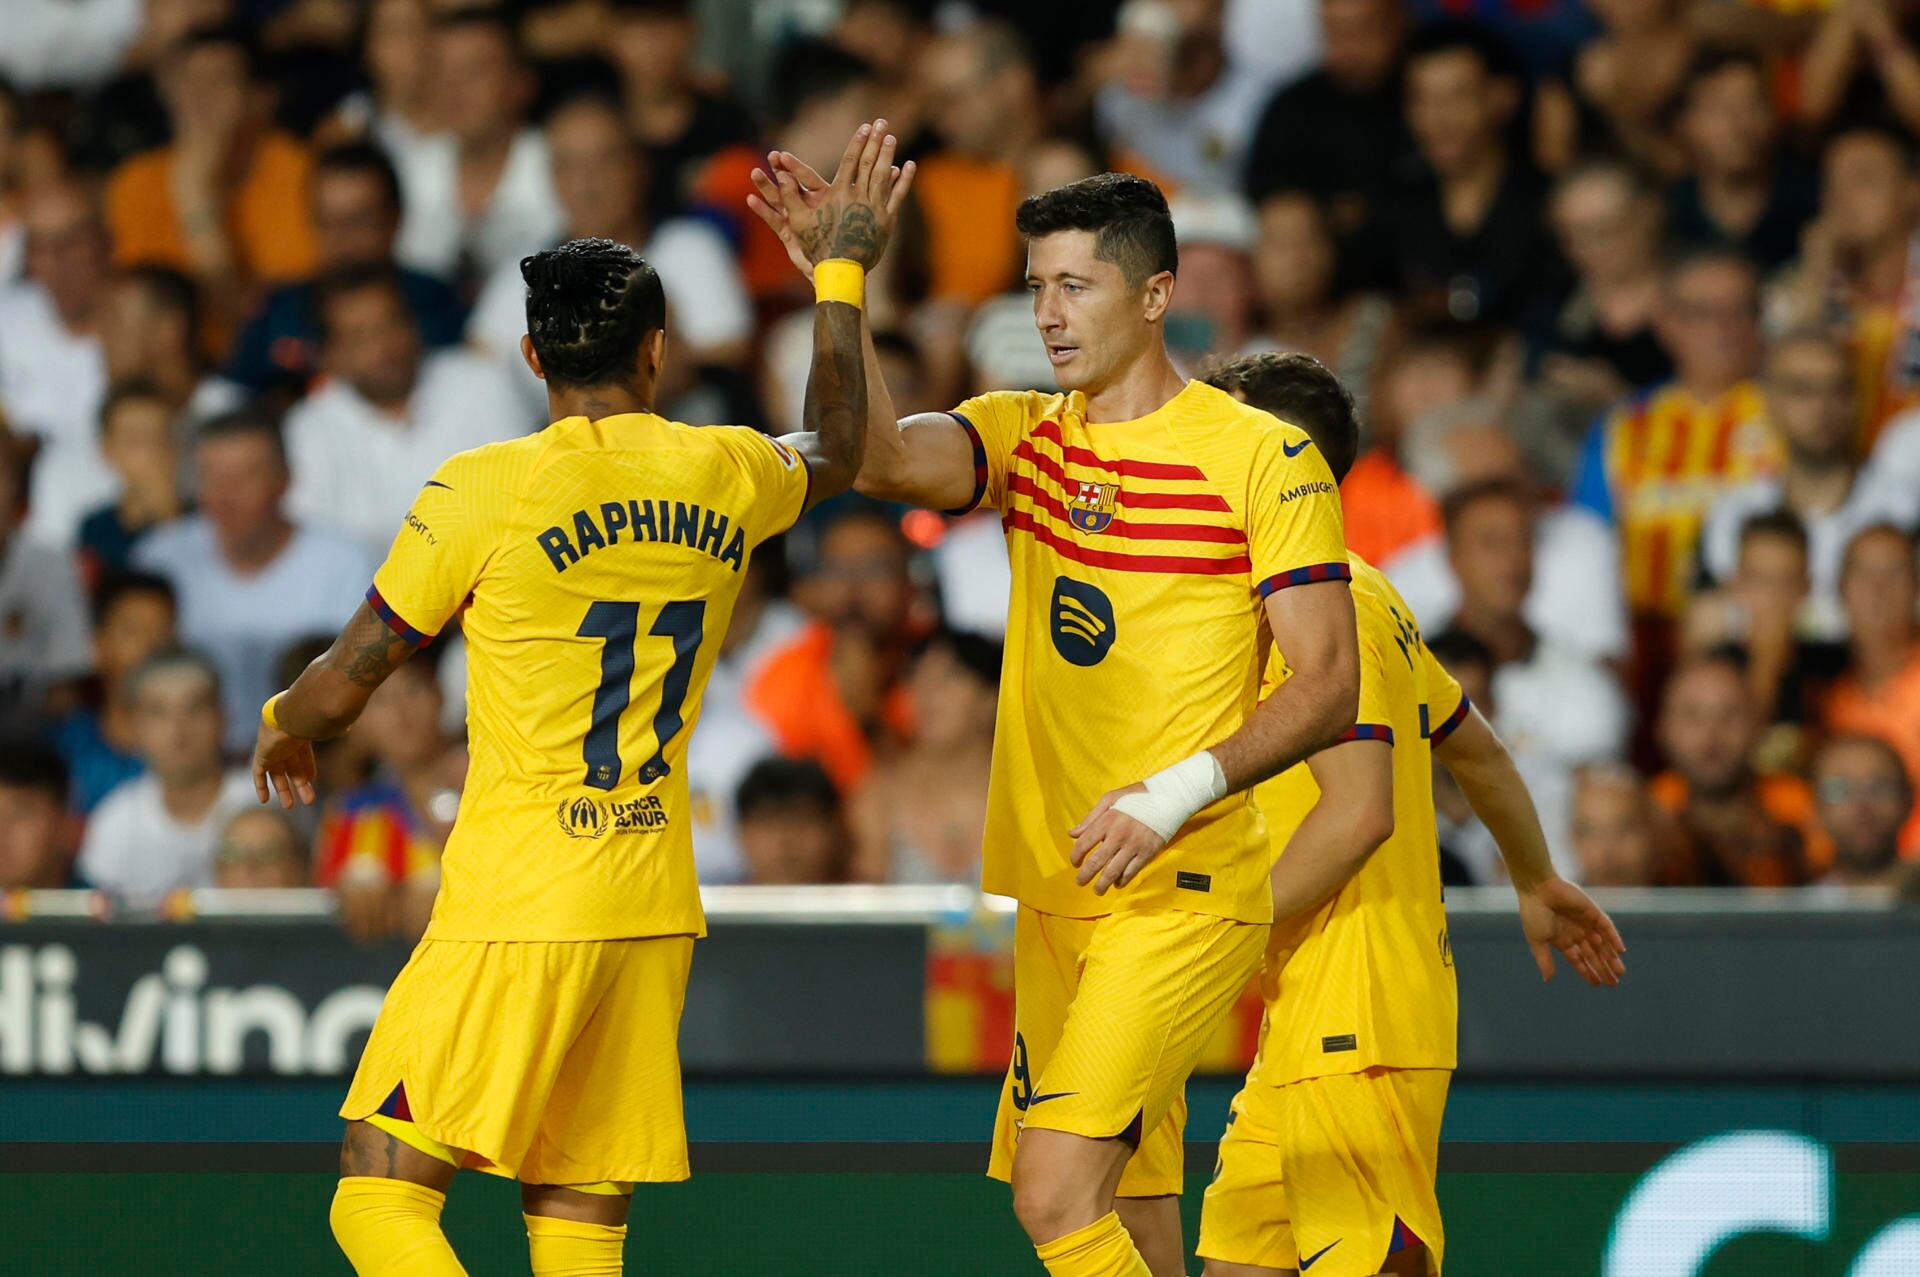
column 1091, row 505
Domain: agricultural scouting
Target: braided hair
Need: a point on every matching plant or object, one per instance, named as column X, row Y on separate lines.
column 590, row 304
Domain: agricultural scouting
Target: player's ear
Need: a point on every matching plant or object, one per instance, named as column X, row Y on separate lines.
column 1157, row 295
column 532, row 356
column 654, row 351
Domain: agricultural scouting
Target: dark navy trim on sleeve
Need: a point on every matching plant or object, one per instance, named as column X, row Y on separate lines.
column 1305, row 576
column 394, row 620
column 980, row 472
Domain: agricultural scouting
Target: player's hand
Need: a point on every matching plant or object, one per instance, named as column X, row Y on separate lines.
column 1558, row 915
column 1111, row 847
column 285, row 761
column 852, row 216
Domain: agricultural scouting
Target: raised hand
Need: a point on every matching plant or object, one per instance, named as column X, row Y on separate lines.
column 852, row 216
column 1558, row 915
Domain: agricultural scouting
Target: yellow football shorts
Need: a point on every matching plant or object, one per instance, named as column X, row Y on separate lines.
column 1334, row 1172
column 550, row 1063
column 1110, row 1016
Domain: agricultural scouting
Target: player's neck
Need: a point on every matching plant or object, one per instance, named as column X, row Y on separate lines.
column 1145, row 387
column 595, row 402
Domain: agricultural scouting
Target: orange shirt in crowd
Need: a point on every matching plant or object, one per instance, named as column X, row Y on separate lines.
column 721, row 187
column 969, row 206
column 1785, row 800
column 1385, row 510
column 267, row 216
column 795, row 695
column 1891, row 712
column 1885, row 392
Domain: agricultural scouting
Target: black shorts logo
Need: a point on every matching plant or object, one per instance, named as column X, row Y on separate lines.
column 1083, row 630
column 1186, row 881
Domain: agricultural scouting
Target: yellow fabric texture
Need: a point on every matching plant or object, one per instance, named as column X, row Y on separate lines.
column 549, row 1063
column 391, row 1228
column 1367, row 979
column 594, row 567
column 575, row 1248
column 1110, row 1016
column 413, row 1137
column 1140, row 551
column 1338, row 1170
column 1101, row 1249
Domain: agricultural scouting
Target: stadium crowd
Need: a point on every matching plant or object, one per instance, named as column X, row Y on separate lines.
column 1628, row 292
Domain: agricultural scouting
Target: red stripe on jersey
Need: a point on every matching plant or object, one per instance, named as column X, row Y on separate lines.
column 1633, row 461
column 1023, row 521
column 1026, row 487
column 1679, row 442
column 1050, row 431
column 1722, row 442
column 1047, row 466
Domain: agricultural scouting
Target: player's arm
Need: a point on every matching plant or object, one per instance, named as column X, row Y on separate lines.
column 1554, row 913
column 1352, row 817
column 323, row 702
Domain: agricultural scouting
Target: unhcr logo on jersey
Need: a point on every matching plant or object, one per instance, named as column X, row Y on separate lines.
column 1082, row 627
column 583, row 818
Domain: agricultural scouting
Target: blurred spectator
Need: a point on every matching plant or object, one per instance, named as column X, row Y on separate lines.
column 1615, row 839
column 1466, row 236
column 834, row 692
column 362, row 445
column 600, row 175
column 1573, row 599
column 1624, row 79
column 149, row 332
column 225, row 201
column 258, row 851
column 1303, row 305
column 356, row 219
column 1740, row 192
column 12, row 135
column 43, row 616
column 1879, row 695
column 1655, row 465
column 1558, row 707
column 1339, row 132
column 986, row 105
column 1856, row 269
column 1893, row 469
column 250, row 581
column 791, row 829
column 677, row 118
column 1173, row 98
column 37, row 832
column 380, row 843
column 133, row 618
column 1810, row 404
column 1862, row 60
column 1759, row 612
column 1281, row 39
column 1735, row 828
column 137, row 440
column 66, row 44
column 820, row 95
column 921, row 815
column 399, row 109
column 1212, row 309
column 732, row 734
column 479, row 195
column 158, row 831
column 52, row 374
column 1864, row 797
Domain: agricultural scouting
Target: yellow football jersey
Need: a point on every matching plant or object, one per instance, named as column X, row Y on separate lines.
column 1141, row 553
column 595, row 566
column 1367, row 979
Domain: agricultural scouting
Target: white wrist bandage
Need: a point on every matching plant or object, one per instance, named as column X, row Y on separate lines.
column 1176, row 793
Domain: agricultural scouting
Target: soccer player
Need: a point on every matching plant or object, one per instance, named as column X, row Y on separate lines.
column 1328, row 1161
column 533, row 1034
column 1157, row 529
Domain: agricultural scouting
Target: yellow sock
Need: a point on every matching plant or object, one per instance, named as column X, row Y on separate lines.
column 575, row 1248
column 391, row 1228
column 1101, row 1249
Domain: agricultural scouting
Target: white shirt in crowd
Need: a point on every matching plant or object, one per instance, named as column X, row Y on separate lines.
column 1827, row 537
column 357, row 470
column 1892, row 473
column 136, row 847
column 523, row 216
column 1280, row 39
column 44, row 635
column 67, row 44
column 52, row 382
column 1199, row 142
column 246, row 622
column 1576, row 600
column 975, row 577
column 707, row 302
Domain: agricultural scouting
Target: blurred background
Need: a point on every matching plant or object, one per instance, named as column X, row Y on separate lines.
column 1628, row 290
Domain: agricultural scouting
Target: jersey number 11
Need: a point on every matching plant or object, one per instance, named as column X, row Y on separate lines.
column 619, row 625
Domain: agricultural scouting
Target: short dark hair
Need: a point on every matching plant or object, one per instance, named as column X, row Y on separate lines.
column 365, row 159
column 129, row 391
column 231, row 35
column 1127, row 214
column 1709, row 61
column 353, row 278
column 174, row 658
column 1775, row 523
column 1461, row 35
column 1456, row 650
column 244, row 421
column 776, row 784
column 168, row 289
column 977, row 654
column 809, row 69
column 1460, row 500
column 117, row 586
column 1880, row 128
column 479, row 17
column 1296, row 388
column 1872, row 530
column 590, row 305
column 36, row 766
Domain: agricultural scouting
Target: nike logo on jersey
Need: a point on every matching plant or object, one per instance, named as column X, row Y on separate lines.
column 435, row 483
column 1295, row 449
column 1051, row 1095
column 1309, row 1262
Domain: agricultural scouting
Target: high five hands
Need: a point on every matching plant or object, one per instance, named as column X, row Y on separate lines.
column 852, row 216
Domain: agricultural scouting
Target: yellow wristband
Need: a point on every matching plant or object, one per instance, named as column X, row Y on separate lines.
column 839, row 280
column 267, row 715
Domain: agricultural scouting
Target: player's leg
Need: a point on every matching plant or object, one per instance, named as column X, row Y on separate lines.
column 1154, row 1224
column 386, row 1207
column 576, row 1230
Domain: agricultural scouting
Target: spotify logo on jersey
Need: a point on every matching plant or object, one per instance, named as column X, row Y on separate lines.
column 1082, row 622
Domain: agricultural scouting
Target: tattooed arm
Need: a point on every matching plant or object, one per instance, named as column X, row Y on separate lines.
column 324, row 701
